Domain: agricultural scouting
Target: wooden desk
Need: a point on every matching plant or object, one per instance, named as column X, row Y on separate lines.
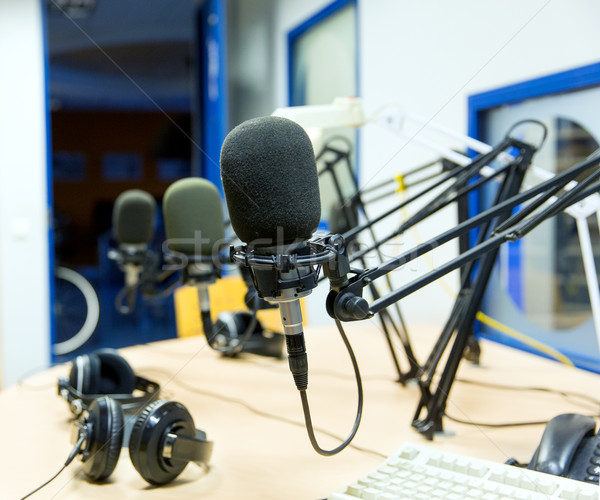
column 256, row 457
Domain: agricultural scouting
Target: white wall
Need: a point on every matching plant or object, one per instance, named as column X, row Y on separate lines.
column 429, row 56
column 24, row 296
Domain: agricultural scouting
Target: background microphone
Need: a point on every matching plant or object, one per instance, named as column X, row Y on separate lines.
column 271, row 186
column 133, row 229
column 195, row 233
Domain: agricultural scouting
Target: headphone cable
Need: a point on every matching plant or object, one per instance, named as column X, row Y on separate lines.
column 76, row 449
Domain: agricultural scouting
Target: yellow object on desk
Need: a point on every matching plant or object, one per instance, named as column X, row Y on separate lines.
column 227, row 294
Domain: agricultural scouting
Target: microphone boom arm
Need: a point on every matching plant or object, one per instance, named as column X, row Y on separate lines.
column 512, row 231
column 347, row 304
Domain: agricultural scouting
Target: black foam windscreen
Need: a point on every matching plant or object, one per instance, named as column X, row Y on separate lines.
column 270, row 181
column 133, row 217
column 193, row 217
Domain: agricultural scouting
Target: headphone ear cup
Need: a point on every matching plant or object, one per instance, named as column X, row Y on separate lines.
column 242, row 320
column 106, row 418
column 147, row 439
column 234, row 325
column 115, row 376
column 85, row 374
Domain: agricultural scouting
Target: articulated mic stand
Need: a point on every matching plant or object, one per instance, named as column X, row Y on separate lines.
column 496, row 226
column 350, row 216
column 461, row 184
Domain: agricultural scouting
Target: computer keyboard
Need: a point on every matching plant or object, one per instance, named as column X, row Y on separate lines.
column 416, row 472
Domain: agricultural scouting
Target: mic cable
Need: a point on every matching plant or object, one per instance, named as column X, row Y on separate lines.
column 306, row 408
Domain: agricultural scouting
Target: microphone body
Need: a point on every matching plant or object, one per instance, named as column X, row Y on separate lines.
column 271, row 187
column 195, row 233
column 133, row 230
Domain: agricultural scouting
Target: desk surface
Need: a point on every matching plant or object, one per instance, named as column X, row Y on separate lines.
column 266, row 454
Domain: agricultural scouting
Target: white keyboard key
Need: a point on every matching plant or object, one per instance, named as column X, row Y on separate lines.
column 546, row 486
column 424, row 489
column 355, row 489
column 395, row 490
column 397, row 482
column 513, row 477
column 522, row 495
column 588, row 495
column 388, row 471
column 461, row 466
column 376, row 476
column 409, row 453
column 460, row 489
column 403, row 474
column 430, row 481
column 370, row 494
column 419, row 468
column 474, row 483
column 477, row 470
column 342, row 496
column 380, row 485
column 446, row 484
column 528, row 482
column 490, row 496
column 569, row 493
column 419, row 478
column 506, row 491
column 446, row 476
column 497, row 476
column 422, row 496
column 491, row 487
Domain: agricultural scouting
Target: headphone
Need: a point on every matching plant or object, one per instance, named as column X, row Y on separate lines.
column 162, row 440
column 104, row 372
column 231, row 329
column 242, row 331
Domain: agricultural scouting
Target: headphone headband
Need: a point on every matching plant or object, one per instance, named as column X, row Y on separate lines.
column 79, row 401
column 191, row 449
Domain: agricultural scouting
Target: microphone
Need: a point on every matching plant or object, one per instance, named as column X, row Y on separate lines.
column 195, row 233
column 133, row 230
column 271, row 186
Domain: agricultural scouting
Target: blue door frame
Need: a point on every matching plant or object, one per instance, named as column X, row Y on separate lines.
column 312, row 21
column 211, row 105
column 566, row 81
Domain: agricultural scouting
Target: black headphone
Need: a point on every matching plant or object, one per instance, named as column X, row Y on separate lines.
column 231, row 329
column 241, row 331
column 162, row 440
column 104, row 372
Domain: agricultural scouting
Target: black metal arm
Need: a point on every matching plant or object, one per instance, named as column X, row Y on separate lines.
column 510, row 233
